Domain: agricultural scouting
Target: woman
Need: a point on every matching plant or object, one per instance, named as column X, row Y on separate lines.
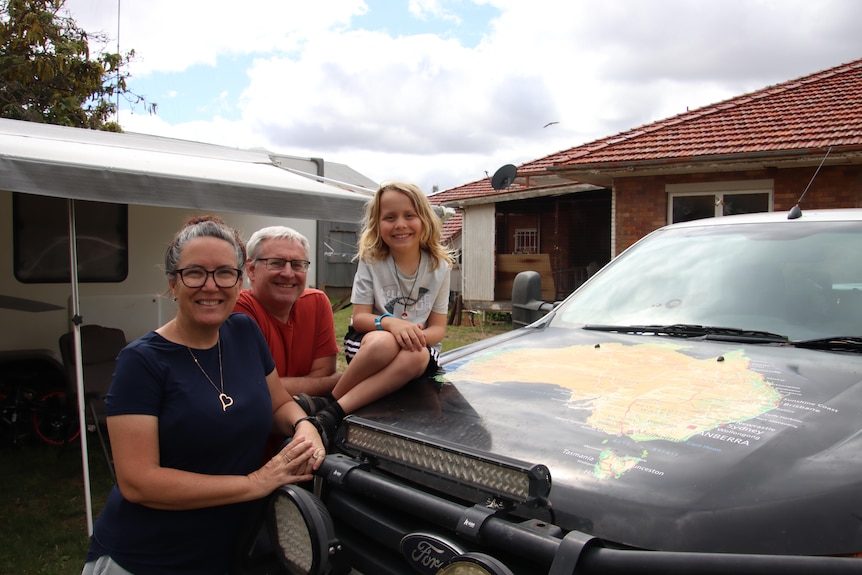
column 189, row 411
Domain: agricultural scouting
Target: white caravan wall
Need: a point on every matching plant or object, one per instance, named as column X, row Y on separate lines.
column 135, row 305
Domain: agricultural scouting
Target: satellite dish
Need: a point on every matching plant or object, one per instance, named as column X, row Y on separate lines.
column 504, row 177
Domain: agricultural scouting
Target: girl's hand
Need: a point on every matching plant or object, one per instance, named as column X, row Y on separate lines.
column 408, row 335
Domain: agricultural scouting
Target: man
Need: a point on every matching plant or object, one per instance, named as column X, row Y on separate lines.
column 296, row 321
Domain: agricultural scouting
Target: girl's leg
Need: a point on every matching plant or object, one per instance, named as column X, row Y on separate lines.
column 377, row 350
column 405, row 366
column 389, row 376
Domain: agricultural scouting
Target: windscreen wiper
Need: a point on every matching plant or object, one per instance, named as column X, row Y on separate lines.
column 838, row 343
column 700, row 331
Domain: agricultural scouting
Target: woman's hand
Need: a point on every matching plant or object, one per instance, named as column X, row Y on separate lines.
column 293, row 464
column 318, row 451
column 286, row 413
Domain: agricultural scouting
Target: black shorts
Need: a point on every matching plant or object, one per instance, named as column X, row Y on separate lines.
column 353, row 338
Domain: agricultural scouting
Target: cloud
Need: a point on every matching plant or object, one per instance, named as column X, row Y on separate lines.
column 172, row 36
column 365, row 90
column 472, row 89
column 425, row 9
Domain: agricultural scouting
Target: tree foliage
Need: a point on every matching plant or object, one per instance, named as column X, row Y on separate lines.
column 47, row 74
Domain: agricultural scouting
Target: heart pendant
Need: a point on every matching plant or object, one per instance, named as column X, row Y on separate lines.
column 226, row 401
column 404, row 314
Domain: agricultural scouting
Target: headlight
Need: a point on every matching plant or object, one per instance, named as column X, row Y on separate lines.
column 301, row 531
column 474, row 564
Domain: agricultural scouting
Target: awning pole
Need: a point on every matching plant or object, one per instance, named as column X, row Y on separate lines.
column 79, row 368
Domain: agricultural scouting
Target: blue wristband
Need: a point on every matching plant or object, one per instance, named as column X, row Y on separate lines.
column 378, row 319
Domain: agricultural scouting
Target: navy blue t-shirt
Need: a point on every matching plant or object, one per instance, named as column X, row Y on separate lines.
column 154, row 376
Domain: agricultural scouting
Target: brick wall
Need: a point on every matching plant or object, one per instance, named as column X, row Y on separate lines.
column 641, row 202
column 641, row 206
column 834, row 187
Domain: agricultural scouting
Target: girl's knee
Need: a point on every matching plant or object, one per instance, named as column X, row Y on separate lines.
column 412, row 363
column 377, row 337
column 378, row 340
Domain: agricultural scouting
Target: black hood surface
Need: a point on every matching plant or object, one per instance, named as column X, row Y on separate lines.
column 662, row 443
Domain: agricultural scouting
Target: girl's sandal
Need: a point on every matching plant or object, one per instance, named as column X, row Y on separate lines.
column 311, row 405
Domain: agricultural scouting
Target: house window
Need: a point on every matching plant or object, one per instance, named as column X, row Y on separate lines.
column 40, row 240
column 526, row 241
column 688, row 202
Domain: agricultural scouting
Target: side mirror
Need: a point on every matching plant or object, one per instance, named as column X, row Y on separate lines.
column 527, row 304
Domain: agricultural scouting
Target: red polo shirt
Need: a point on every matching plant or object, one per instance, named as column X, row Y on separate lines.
column 308, row 334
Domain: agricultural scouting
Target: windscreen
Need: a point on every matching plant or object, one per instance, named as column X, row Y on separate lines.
column 799, row 279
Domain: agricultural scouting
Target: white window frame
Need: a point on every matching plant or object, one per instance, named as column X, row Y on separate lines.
column 719, row 190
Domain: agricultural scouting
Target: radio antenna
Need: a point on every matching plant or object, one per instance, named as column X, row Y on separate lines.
column 117, row 114
column 796, row 211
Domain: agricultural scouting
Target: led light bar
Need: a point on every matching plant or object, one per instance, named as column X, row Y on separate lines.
column 506, row 478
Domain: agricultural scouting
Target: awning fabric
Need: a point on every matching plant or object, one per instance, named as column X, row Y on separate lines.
column 148, row 170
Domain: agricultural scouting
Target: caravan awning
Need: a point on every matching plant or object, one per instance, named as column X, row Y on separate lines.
column 149, row 170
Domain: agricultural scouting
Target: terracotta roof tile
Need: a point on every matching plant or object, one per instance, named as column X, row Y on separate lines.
column 813, row 112
column 472, row 190
column 452, row 226
column 816, row 111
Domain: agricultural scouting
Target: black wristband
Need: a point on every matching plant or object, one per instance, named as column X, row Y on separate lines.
column 307, row 418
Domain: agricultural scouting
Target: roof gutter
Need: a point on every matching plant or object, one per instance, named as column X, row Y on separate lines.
column 604, row 172
column 356, row 188
column 525, row 194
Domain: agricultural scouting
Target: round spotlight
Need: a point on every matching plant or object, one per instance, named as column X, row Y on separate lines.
column 301, row 531
column 474, row 564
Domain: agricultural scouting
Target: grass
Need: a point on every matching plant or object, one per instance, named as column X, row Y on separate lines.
column 456, row 336
column 43, row 528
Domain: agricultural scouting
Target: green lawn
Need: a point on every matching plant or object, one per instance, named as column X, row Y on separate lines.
column 456, row 336
column 43, row 526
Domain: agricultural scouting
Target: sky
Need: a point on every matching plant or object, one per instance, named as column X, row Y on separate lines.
column 442, row 93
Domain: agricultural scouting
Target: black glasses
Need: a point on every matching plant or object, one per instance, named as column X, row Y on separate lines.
column 278, row 264
column 196, row 276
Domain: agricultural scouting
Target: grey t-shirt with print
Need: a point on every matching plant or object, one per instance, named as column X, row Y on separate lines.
column 376, row 284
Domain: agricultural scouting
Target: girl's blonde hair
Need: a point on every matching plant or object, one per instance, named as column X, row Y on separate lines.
column 371, row 244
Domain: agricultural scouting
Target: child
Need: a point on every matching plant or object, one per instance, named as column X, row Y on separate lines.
column 400, row 301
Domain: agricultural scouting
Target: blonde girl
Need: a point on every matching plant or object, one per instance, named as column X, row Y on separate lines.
column 400, row 301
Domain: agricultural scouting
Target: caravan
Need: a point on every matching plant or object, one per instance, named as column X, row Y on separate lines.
column 130, row 193
column 121, row 197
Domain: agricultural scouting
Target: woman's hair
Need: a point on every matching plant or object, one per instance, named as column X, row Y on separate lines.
column 203, row 227
column 371, row 244
column 275, row 233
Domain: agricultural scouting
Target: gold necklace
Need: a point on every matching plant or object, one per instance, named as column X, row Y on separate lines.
column 225, row 399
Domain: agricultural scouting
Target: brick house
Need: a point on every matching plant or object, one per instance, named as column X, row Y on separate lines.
column 576, row 209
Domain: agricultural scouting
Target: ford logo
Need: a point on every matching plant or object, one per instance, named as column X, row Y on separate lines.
column 428, row 553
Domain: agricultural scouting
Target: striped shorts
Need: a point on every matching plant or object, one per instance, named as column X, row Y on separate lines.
column 353, row 339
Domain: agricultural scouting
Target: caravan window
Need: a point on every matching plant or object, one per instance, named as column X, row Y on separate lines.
column 41, row 240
